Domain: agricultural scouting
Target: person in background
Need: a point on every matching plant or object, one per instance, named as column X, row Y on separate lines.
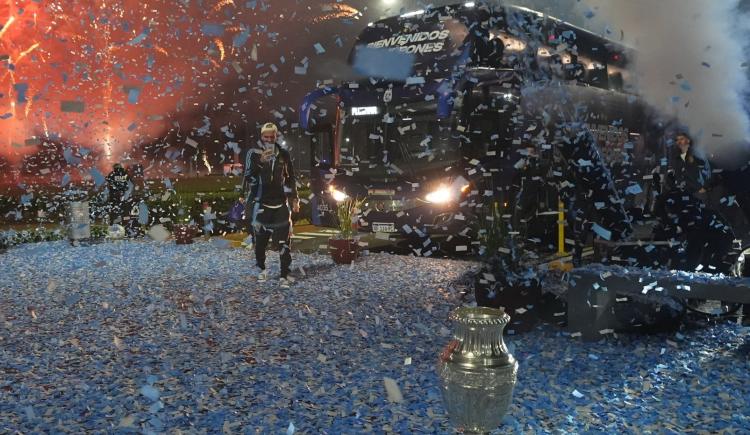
column 236, row 214
column 273, row 196
column 208, row 219
column 528, row 185
column 705, row 236
column 691, row 172
column 119, row 186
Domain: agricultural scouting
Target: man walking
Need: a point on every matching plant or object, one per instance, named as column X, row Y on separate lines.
column 273, row 189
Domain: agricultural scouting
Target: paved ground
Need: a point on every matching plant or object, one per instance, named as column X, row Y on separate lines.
column 310, row 239
column 153, row 337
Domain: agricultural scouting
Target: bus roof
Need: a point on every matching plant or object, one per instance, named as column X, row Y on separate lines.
column 436, row 36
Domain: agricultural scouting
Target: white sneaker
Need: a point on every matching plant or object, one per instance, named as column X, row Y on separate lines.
column 262, row 275
column 285, row 283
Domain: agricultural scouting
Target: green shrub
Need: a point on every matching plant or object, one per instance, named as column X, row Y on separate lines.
column 99, row 231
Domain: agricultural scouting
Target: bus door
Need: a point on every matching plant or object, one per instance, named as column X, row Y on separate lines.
column 322, row 159
column 488, row 114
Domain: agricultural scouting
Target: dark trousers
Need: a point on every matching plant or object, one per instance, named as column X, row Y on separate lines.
column 273, row 224
column 115, row 208
column 708, row 248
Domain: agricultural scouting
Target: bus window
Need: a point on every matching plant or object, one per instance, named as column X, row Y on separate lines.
column 596, row 76
column 616, row 81
column 362, row 139
column 489, row 114
column 411, row 140
column 575, row 70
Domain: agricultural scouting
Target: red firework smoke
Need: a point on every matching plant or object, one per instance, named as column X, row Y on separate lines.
column 107, row 75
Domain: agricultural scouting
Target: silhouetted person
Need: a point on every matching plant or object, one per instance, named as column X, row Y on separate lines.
column 529, row 184
column 118, row 184
column 706, row 236
column 691, row 172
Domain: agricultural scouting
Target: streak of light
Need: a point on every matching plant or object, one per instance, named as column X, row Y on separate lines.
column 7, row 25
column 161, row 50
column 223, row 3
column 24, row 53
column 108, row 145
column 335, row 11
column 220, row 45
column 29, row 101
column 205, row 162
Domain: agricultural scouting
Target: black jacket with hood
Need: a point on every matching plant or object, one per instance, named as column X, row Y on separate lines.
column 273, row 182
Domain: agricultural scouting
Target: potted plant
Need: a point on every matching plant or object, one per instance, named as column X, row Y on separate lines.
column 344, row 247
column 99, row 232
column 502, row 280
column 4, row 242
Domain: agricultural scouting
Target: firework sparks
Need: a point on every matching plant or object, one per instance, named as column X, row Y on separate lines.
column 26, row 52
column 336, row 11
column 161, row 50
column 111, row 75
column 5, row 28
column 220, row 46
column 223, row 3
column 28, row 107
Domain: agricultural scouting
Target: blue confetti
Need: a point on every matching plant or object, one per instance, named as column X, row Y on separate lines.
column 133, row 94
column 210, row 29
column 633, row 189
column 21, row 89
column 143, row 213
column 150, row 392
column 138, row 39
column 383, row 63
column 99, row 179
column 240, row 39
column 601, row 232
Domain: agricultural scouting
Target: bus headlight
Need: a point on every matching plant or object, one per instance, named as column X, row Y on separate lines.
column 441, row 195
column 446, row 194
column 337, row 195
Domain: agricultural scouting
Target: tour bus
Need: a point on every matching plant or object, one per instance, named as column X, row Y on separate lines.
column 451, row 98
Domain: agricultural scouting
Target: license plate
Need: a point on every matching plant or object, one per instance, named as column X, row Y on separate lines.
column 381, row 192
column 380, row 227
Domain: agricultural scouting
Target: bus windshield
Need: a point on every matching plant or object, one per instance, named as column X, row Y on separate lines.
column 404, row 142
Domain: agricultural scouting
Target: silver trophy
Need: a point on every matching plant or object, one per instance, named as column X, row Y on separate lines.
column 477, row 373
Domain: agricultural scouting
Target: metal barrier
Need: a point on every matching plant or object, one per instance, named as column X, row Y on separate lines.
column 593, row 291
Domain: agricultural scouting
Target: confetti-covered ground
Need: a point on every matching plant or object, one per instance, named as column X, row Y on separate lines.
column 154, row 337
